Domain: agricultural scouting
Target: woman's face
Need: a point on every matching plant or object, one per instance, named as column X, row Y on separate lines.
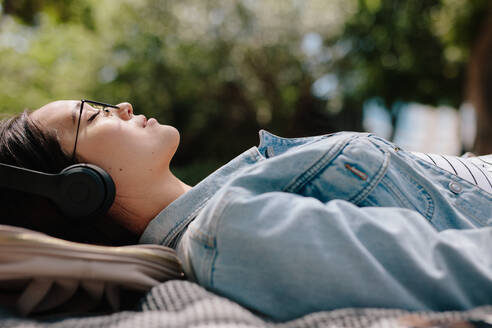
column 121, row 143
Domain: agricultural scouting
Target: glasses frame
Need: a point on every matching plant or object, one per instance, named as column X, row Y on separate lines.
column 82, row 102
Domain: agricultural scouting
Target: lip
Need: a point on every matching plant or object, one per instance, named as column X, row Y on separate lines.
column 150, row 121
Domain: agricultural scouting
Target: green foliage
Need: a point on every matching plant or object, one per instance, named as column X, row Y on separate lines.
column 404, row 51
column 63, row 11
column 220, row 70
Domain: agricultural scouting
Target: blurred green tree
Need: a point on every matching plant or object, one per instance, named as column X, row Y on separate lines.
column 408, row 51
column 62, row 10
column 220, row 70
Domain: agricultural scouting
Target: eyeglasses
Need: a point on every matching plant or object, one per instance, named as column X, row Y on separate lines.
column 96, row 104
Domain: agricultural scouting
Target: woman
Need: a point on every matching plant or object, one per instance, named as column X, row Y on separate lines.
column 44, row 141
column 295, row 226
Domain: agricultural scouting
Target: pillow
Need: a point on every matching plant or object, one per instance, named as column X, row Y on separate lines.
column 42, row 274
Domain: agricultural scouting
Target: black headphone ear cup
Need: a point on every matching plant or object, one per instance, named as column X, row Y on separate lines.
column 86, row 191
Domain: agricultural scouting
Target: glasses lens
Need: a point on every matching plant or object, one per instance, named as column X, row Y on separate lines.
column 99, row 107
column 94, row 106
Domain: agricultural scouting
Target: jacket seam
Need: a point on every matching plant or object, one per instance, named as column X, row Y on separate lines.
column 374, row 181
column 299, row 182
column 220, row 216
column 178, row 227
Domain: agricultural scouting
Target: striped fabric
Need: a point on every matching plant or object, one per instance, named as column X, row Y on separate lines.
column 477, row 170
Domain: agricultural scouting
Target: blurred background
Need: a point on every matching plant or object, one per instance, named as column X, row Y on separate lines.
column 417, row 72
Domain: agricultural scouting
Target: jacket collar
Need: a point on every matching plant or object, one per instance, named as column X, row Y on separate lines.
column 172, row 221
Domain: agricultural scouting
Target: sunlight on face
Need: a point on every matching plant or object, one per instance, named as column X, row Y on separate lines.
column 119, row 142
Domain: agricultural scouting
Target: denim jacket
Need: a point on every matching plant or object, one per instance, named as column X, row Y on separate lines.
column 295, row 226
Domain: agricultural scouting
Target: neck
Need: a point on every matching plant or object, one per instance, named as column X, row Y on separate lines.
column 135, row 207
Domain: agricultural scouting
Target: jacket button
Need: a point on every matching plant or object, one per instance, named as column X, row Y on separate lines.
column 455, row 187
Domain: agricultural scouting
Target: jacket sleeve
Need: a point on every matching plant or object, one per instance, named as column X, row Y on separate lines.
column 286, row 255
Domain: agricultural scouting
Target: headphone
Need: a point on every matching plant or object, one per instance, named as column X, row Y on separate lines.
column 81, row 191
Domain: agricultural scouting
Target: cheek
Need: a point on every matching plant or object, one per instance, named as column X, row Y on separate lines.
column 114, row 148
column 102, row 146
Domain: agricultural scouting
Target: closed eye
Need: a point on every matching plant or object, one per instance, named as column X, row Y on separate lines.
column 93, row 116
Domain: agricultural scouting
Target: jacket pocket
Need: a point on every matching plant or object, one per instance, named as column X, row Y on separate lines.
column 351, row 174
column 399, row 187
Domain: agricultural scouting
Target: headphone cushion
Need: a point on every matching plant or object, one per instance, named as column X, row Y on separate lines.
column 86, row 191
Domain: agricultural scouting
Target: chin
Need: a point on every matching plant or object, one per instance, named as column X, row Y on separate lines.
column 170, row 139
column 176, row 139
column 173, row 134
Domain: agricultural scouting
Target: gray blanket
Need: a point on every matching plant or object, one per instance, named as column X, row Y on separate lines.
column 178, row 303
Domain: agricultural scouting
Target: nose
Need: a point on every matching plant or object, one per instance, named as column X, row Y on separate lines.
column 125, row 110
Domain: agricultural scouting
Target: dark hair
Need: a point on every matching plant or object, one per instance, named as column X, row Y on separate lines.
column 26, row 144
